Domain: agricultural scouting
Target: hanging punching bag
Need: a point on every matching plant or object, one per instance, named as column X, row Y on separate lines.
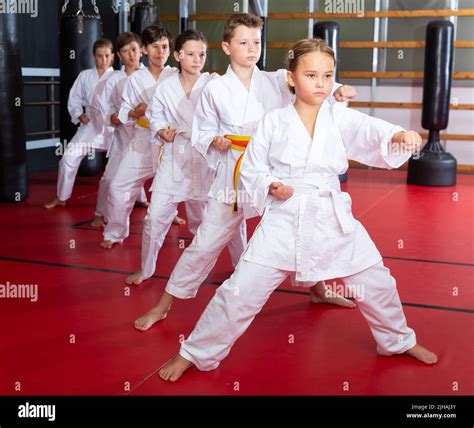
column 142, row 15
column 13, row 169
column 433, row 166
column 78, row 32
column 329, row 32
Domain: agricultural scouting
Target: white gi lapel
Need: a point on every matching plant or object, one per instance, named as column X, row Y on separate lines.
column 234, row 101
column 254, row 108
column 298, row 139
column 320, row 138
column 184, row 114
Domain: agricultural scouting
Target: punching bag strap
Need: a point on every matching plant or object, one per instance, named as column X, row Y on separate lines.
column 80, row 14
column 66, row 2
column 96, row 9
column 80, row 21
column 80, row 11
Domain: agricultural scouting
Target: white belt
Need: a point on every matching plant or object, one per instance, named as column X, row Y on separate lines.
column 316, row 188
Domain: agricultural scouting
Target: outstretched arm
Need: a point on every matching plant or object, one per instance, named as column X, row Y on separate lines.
column 374, row 141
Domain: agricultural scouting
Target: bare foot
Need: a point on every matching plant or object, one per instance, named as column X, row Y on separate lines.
column 151, row 317
column 98, row 221
column 179, row 220
column 55, row 202
column 135, row 278
column 107, row 244
column 422, row 354
column 156, row 313
column 145, row 204
column 321, row 293
column 175, row 368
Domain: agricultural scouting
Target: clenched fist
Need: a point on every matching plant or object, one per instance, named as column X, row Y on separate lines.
column 280, row 191
column 345, row 92
column 139, row 110
column 83, row 118
column 115, row 120
column 408, row 141
column 167, row 134
column 221, row 143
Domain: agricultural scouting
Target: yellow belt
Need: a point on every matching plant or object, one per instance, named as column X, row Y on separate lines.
column 240, row 143
column 141, row 121
column 144, row 123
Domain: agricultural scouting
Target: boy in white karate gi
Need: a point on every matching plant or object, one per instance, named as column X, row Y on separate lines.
column 140, row 160
column 231, row 104
column 110, row 99
column 307, row 231
column 183, row 174
column 92, row 134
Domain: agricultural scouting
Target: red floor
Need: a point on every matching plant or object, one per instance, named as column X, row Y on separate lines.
column 82, row 293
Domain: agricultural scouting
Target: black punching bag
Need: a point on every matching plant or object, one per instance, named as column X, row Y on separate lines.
column 184, row 14
column 433, row 166
column 13, row 170
column 329, row 32
column 142, row 15
column 78, row 32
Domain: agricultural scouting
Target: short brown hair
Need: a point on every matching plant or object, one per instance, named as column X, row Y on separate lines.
column 102, row 43
column 247, row 19
column 153, row 33
column 126, row 38
column 304, row 47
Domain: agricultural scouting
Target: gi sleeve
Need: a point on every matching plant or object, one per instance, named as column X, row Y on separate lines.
column 205, row 127
column 130, row 99
column 156, row 115
column 368, row 139
column 255, row 173
column 76, row 100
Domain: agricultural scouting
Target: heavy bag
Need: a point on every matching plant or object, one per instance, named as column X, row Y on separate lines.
column 142, row 15
column 437, row 76
column 13, row 166
column 329, row 31
column 78, row 32
column 433, row 166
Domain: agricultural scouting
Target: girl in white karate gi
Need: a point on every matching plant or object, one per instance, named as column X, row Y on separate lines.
column 129, row 52
column 231, row 104
column 92, row 134
column 183, row 174
column 140, row 160
column 290, row 171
